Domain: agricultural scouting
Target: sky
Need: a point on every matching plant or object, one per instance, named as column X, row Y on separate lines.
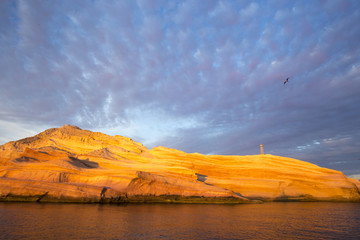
column 198, row 76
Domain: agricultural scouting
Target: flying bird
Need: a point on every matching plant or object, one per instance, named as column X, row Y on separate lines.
column 287, row 79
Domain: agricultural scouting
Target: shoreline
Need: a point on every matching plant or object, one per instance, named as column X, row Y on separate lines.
column 150, row 199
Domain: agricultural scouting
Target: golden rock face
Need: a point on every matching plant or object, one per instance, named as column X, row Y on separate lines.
column 69, row 164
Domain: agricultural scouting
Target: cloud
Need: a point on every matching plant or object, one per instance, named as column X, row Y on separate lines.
column 200, row 77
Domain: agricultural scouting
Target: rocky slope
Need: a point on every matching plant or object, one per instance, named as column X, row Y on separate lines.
column 69, row 164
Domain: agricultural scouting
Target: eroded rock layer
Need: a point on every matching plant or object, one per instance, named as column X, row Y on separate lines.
column 69, row 164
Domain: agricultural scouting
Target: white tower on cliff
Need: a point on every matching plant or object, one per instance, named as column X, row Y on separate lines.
column 261, row 149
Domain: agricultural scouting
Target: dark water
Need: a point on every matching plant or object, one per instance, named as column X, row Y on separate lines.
column 180, row 221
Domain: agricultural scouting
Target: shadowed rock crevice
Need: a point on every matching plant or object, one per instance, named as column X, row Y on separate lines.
column 239, row 194
column 102, row 194
column 42, row 196
column 82, row 163
column 63, row 177
column 26, row 159
column 202, row 178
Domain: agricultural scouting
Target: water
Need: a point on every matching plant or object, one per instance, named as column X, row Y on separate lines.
column 180, row 221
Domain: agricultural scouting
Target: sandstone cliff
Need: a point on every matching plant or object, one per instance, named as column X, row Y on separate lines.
column 69, row 164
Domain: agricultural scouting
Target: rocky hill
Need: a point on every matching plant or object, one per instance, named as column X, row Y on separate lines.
column 69, row 164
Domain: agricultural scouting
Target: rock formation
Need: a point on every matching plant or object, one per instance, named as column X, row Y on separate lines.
column 69, row 164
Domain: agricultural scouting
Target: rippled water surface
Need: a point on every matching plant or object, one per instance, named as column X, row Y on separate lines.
column 180, row 221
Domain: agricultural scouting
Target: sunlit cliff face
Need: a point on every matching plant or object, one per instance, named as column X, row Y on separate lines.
column 71, row 164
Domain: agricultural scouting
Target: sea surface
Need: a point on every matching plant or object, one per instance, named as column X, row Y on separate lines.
column 180, row 221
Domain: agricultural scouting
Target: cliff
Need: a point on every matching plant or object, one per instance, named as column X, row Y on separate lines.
column 69, row 164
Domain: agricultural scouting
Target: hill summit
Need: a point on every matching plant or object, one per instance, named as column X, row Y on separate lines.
column 68, row 164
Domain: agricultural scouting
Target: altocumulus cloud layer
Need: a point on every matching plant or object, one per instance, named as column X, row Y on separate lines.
column 200, row 76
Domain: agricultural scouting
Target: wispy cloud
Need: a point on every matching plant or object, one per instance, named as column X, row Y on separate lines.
column 193, row 75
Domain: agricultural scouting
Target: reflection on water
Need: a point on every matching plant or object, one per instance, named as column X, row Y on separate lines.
column 180, row 221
